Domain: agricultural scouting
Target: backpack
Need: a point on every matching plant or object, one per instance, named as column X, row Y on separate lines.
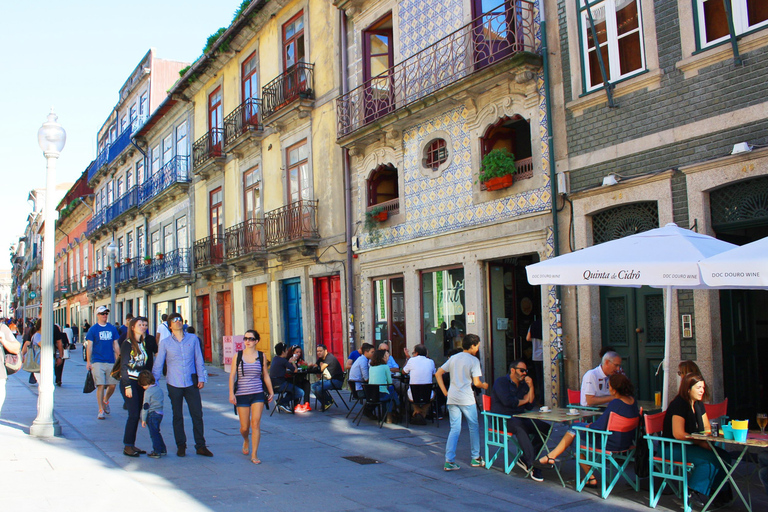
column 239, row 368
column 642, row 453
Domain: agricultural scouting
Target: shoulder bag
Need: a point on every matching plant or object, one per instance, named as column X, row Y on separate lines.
column 32, row 359
column 12, row 361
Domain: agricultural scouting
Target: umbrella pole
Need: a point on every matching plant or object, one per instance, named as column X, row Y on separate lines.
column 667, row 339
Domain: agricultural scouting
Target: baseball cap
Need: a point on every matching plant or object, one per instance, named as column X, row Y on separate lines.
column 102, row 309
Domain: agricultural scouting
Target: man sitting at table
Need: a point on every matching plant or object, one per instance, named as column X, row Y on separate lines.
column 421, row 369
column 513, row 394
column 279, row 370
column 332, row 376
column 353, row 356
column 594, row 385
column 359, row 371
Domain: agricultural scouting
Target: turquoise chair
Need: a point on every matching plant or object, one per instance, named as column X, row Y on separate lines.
column 667, row 461
column 496, row 436
column 591, row 451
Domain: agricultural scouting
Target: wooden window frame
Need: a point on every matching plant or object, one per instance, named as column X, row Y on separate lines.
column 219, row 207
column 297, row 165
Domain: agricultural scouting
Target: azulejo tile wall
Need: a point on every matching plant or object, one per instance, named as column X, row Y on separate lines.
column 424, row 22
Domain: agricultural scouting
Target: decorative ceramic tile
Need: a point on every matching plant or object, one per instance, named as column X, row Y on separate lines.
column 424, row 22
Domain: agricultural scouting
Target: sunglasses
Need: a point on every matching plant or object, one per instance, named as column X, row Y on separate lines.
column 523, row 370
column 176, row 320
column 249, row 338
column 106, row 313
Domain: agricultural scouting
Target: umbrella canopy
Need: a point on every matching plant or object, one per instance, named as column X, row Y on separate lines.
column 666, row 257
column 741, row 267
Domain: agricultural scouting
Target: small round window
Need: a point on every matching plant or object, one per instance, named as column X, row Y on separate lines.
column 436, row 153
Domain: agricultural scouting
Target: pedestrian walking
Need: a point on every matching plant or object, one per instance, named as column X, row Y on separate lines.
column 249, row 388
column 100, row 356
column 465, row 371
column 185, row 378
column 134, row 359
column 8, row 345
column 152, row 412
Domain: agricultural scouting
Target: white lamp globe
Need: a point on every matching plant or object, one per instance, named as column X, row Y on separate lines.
column 51, row 136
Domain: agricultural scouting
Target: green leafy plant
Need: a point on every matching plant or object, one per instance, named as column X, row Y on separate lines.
column 183, row 71
column 212, row 39
column 241, row 9
column 497, row 163
column 371, row 218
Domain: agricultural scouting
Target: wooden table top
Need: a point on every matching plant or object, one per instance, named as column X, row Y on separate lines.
column 754, row 439
column 558, row 415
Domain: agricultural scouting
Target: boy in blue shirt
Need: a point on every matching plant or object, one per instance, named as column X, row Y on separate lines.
column 152, row 412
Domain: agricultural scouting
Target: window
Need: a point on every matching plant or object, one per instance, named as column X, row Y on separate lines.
column 293, row 41
column 250, row 82
column 128, row 180
column 181, row 232
column 140, row 252
column 110, row 192
column 120, row 190
column 155, row 159
column 216, row 222
column 252, row 200
column 168, row 240
column 85, row 260
column 120, row 249
column 155, row 242
column 129, row 245
column 712, row 20
column 144, row 104
column 619, row 32
column 123, row 124
column 167, row 148
column 299, row 186
column 112, row 133
column 181, row 140
column 140, row 172
column 77, row 262
column 443, row 306
column 377, row 60
column 389, row 314
column 133, row 113
column 436, row 154
column 382, row 185
column 513, row 134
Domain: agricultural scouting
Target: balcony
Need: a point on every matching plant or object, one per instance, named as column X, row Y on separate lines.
column 290, row 95
column 502, row 40
column 101, row 220
column 112, row 152
column 246, row 242
column 292, row 227
column 98, row 283
column 168, row 272
column 208, row 154
column 209, row 252
column 95, row 222
column 169, row 182
column 243, row 127
column 392, row 207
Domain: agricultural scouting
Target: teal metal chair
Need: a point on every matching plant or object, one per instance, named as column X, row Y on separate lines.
column 667, row 461
column 611, row 464
column 496, row 436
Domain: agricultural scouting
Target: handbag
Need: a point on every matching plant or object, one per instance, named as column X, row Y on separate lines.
column 12, row 362
column 115, row 373
column 90, row 385
column 32, row 359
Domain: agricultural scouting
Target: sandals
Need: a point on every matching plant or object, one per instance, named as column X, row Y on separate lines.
column 256, row 461
column 549, row 463
column 591, row 483
column 246, row 448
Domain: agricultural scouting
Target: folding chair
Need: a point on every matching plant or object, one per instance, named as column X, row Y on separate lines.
column 714, row 411
column 574, row 401
column 496, row 435
column 667, row 461
column 337, row 390
column 423, row 394
column 591, row 451
column 373, row 399
column 280, row 395
column 355, row 397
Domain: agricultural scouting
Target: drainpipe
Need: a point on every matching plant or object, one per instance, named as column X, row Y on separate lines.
column 347, row 190
column 734, row 41
column 553, row 189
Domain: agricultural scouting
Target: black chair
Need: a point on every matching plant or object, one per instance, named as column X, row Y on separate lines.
column 337, row 390
column 422, row 395
column 280, row 395
column 373, row 400
column 355, row 398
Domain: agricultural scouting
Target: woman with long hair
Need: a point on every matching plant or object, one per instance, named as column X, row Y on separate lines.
column 249, row 389
column 134, row 358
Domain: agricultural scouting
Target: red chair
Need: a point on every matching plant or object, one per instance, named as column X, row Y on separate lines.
column 714, row 411
column 574, row 401
column 496, row 435
column 664, row 463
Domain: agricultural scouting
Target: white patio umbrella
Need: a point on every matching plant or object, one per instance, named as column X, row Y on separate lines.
column 661, row 258
column 742, row 267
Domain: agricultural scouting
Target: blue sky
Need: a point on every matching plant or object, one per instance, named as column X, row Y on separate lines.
column 75, row 56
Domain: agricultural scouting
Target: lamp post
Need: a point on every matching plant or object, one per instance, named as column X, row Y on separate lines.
column 51, row 137
column 112, row 253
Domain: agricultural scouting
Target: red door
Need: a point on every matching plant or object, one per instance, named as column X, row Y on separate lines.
column 328, row 314
column 204, row 303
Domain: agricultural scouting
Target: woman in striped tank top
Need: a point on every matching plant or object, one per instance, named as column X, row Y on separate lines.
column 249, row 397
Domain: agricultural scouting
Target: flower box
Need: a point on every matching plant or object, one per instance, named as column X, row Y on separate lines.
column 499, row 183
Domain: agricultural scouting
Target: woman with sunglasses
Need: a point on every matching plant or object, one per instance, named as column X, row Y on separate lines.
column 135, row 357
column 623, row 404
column 248, row 382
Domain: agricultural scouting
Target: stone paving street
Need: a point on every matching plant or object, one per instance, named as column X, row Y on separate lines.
column 303, row 464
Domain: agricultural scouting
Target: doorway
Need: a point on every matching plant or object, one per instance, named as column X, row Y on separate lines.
column 292, row 312
column 261, row 318
column 204, row 319
column 328, row 322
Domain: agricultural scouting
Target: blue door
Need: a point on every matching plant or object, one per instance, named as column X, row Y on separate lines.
column 292, row 312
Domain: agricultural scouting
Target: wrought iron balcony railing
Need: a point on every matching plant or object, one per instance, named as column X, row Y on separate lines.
column 488, row 39
column 245, row 118
column 98, row 282
column 175, row 171
column 95, row 222
column 173, row 263
column 296, row 221
column 245, row 238
column 209, row 251
column 208, row 146
column 392, row 207
column 111, row 151
column 122, row 205
column 126, row 272
column 296, row 82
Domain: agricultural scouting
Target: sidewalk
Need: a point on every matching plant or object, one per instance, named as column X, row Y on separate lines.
column 303, row 468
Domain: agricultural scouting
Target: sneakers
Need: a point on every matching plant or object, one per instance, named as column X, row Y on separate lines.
column 154, row 455
column 101, row 415
column 307, row 408
column 522, row 465
column 477, row 463
column 106, row 408
column 301, row 408
column 451, row 466
column 284, row 408
column 327, row 406
column 536, row 475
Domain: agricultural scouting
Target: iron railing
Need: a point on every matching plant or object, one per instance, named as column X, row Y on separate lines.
column 245, row 238
column 392, row 206
column 245, row 118
column 208, row 146
column 175, row 171
column 209, row 251
column 296, row 82
column 98, row 282
column 173, row 263
column 296, row 221
column 122, row 205
column 95, row 222
column 111, row 151
column 126, row 272
column 488, row 39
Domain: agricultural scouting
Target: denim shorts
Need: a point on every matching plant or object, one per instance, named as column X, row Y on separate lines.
column 249, row 400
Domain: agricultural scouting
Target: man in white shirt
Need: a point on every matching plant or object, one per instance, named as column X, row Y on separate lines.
column 421, row 369
column 594, row 384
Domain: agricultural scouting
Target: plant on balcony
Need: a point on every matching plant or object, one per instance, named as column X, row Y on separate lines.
column 127, row 259
column 497, row 169
column 374, row 216
column 147, row 260
column 159, row 255
column 109, row 267
column 117, row 264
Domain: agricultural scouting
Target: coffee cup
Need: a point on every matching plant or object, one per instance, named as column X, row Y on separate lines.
column 544, row 408
column 573, row 411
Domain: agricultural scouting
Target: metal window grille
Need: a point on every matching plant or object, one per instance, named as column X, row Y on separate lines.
column 437, row 154
column 743, row 202
column 624, row 220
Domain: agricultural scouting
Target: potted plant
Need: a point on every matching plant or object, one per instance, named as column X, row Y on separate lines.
column 117, row 264
column 159, row 255
column 127, row 259
column 374, row 216
column 147, row 260
column 109, row 267
column 497, row 169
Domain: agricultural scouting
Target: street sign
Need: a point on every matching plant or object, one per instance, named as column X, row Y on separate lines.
column 32, row 295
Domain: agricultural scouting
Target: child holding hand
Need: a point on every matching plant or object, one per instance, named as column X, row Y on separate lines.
column 152, row 412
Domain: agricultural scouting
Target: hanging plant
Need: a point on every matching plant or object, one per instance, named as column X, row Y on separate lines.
column 497, row 169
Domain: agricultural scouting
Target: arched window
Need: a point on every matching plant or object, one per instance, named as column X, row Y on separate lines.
column 383, row 188
column 513, row 134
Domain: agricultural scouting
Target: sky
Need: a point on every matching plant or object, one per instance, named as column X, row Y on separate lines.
column 74, row 56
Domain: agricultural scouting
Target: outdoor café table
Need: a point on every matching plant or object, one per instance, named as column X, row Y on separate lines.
column 648, row 406
column 754, row 440
column 556, row 415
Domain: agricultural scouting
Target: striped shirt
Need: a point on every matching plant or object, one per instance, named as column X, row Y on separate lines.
column 249, row 378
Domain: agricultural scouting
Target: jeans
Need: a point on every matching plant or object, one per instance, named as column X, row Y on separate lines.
column 523, row 430
column 762, row 462
column 707, row 473
column 153, row 424
column 58, row 371
column 321, row 388
column 290, row 392
column 455, row 412
column 134, row 411
column 195, row 405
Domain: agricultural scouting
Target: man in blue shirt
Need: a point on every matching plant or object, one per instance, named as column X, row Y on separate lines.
column 185, row 378
column 100, row 356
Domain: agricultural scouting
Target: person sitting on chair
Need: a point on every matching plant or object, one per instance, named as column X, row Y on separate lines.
column 333, row 376
column 280, row 369
column 594, row 384
column 421, row 370
column 359, row 371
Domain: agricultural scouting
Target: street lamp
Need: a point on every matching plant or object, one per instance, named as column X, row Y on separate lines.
column 51, row 137
column 112, row 253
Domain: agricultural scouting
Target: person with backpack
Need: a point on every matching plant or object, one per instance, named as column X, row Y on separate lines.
column 8, row 345
column 249, row 389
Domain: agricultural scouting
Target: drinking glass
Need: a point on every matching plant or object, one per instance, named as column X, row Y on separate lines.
column 762, row 421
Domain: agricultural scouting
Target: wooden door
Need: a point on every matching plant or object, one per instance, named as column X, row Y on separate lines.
column 204, row 307
column 261, row 318
column 328, row 320
column 224, row 303
column 293, row 331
